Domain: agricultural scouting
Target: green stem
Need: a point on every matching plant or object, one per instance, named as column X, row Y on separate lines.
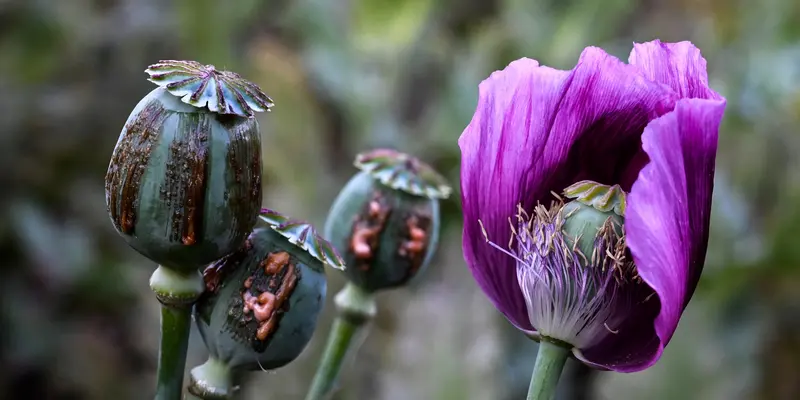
column 549, row 364
column 176, row 292
column 175, row 325
column 338, row 345
column 355, row 307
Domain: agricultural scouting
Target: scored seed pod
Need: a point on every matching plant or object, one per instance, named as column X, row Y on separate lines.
column 261, row 302
column 386, row 219
column 184, row 183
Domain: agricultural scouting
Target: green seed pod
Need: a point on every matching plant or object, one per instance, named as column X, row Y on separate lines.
column 585, row 216
column 386, row 219
column 261, row 302
column 184, row 183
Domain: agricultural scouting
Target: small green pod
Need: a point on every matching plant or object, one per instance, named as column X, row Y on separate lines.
column 261, row 303
column 184, row 183
column 593, row 206
column 386, row 219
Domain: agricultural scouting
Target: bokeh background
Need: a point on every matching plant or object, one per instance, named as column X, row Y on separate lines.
column 78, row 320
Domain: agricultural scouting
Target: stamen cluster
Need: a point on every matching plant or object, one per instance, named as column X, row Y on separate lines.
column 573, row 297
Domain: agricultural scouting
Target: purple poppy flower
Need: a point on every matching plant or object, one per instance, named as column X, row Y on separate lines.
column 649, row 127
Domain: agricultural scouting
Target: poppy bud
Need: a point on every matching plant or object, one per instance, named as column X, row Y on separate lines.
column 184, row 183
column 386, row 219
column 261, row 302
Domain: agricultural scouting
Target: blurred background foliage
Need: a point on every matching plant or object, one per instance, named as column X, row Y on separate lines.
column 78, row 320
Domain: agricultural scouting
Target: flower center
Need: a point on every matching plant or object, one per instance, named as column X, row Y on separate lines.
column 573, row 266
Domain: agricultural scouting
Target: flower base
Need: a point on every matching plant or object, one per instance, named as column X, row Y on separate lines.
column 211, row 381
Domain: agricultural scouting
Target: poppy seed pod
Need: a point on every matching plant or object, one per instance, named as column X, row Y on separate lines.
column 184, row 183
column 261, row 302
column 386, row 219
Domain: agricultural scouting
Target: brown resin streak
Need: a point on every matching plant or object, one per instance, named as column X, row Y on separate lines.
column 367, row 229
column 255, row 170
column 275, row 262
column 244, row 163
column 216, row 272
column 197, row 164
column 212, row 276
column 267, row 306
column 184, row 186
column 128, row 165
column 415, row 245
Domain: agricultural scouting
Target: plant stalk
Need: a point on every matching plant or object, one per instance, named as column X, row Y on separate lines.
column 176, row 292
column 355, row 308
column 175, row 326
column 549, row 363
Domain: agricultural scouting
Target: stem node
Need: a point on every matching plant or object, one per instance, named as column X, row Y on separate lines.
column 176, row 289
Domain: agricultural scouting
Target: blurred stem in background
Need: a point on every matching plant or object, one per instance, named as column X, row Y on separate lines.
column 577, row 381
column 208, row 30
column 176, row 292
column 355, row 308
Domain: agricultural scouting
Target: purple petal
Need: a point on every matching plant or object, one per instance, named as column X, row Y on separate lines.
column 491, row 146
column 537, row 130
column 666, row 225
column 634, row 346
column 677, row 65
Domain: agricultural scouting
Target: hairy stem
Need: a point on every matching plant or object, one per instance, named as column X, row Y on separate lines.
column 549, row 364
column 176, row 292
column 356, row 307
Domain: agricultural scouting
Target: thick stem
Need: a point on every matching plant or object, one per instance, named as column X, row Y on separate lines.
column 356, row 307
column 176, row 292
column 549, row 364
column 175, row 324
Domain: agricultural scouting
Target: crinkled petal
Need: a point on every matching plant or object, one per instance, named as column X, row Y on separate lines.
column 667, row 222
column 537, row 130
column 677, row 65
